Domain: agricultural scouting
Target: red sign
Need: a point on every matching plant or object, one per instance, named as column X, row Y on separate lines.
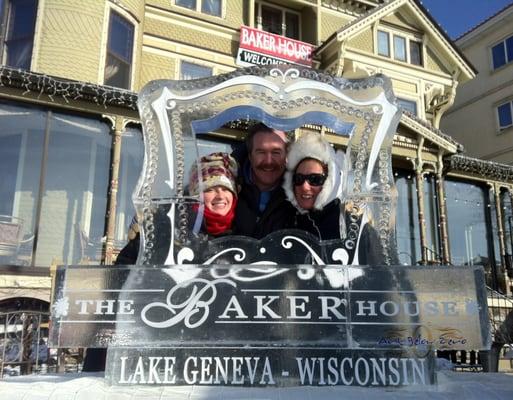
column 259, row 47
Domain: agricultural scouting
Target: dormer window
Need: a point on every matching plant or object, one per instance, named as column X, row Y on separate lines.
column 383, row 44
column 399, row 46
column 415, row 52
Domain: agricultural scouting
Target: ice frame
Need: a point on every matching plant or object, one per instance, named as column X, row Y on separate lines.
column 173, row 113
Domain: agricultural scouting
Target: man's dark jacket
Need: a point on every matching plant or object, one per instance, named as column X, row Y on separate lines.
column 249, row 221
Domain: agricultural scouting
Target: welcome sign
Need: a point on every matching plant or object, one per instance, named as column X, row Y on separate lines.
column 258, row 47
column 268, row 319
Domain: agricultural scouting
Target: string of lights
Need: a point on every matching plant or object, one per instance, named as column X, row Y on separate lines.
column 51, row 88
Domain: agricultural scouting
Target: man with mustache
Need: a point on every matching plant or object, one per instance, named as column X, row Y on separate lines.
column 262, row 207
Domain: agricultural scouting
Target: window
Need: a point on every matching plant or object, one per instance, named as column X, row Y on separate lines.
column 407, row 223
column 278, row 20
column 64, row 219
column 505, row 115
column 383, row 44
column 399, row 48
column 186, row 3
column 470, row 227
column 408, row 105
column 72, row 221
column 130, row 166
column 118, row 65
column 502, row 53
column 211, row 7
column 22, row 132
column 404, row 49
column 415, row 52
column 18, row 21
column 193, row 71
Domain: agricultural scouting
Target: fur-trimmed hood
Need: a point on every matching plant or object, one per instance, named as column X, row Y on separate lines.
column 312, row 145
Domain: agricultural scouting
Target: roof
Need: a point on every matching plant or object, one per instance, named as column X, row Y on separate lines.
column 483, row 22
column 366, row 19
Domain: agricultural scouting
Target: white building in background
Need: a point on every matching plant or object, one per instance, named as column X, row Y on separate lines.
column 482, row 115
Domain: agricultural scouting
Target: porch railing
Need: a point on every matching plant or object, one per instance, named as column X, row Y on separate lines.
column 23, row 342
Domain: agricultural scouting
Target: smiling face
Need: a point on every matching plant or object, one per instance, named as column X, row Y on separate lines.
column 306, row 194
column 218, row 199
column 267, row 158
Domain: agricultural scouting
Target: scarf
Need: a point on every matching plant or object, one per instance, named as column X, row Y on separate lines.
column 215, row 223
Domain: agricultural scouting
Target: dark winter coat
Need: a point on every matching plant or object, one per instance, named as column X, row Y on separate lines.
column 249, row 221
column 323, row 224
column 128, row 255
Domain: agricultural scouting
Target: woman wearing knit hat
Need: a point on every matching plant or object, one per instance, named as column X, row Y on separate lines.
column 312, row 183
column 218, row 189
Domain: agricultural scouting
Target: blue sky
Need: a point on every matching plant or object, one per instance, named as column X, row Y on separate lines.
column 458, row 16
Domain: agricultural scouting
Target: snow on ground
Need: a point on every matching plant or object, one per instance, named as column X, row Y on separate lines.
column 451, row 385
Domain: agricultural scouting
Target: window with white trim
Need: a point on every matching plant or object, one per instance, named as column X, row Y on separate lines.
column 407, row 105
column 210, row 7
column 278, row 20
column 505, row 115
column 120, row 46
column 502, row 53
column 17, row 26
column 190, row 70
column 383, row 44
column 399, row 47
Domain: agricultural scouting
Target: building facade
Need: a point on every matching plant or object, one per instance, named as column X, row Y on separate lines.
column 482, row 115
column 71, row 144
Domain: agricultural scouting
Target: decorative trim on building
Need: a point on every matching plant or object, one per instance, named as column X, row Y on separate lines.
column 350, row 7
column 483, row 168
column 431, row 133
column 50, row 88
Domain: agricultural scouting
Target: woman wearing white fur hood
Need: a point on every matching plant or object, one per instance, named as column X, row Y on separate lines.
column 312, row 183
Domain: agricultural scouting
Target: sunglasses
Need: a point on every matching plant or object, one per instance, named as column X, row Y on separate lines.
column 312, row 179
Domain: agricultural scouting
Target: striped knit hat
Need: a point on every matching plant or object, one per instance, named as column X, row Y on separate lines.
column 217, row 169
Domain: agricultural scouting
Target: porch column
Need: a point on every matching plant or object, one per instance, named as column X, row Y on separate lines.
column 319, row 22
column 446, row 255
column 110, row 221
column 500, row 231
column 419, row 164
column 251, row 14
